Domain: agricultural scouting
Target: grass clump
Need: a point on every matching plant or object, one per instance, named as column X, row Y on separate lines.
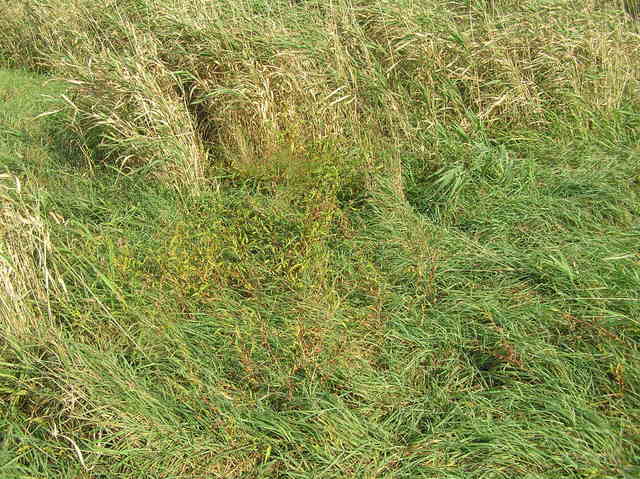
column 319, row 239
column 246, row 80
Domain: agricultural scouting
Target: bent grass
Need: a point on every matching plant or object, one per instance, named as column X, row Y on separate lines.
column 319, row 239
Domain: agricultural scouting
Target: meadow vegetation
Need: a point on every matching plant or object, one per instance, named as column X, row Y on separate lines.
column 319, row 239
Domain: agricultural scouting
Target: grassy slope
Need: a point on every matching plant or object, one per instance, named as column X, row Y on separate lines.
column 289, row 324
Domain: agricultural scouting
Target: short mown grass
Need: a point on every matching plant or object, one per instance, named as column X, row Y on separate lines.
column 368, row 239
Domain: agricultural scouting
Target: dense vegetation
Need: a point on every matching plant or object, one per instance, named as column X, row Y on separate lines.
column 319, row 239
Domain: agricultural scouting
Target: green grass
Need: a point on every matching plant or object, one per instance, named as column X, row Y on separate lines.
column 206, row 271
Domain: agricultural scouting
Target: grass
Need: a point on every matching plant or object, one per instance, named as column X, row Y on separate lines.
column 365, row 239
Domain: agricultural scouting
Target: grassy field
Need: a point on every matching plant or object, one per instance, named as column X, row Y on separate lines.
column 319, row 239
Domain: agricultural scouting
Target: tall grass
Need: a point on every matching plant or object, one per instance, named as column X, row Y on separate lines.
column 28, row 282
column 193, row 83
column 301, row 239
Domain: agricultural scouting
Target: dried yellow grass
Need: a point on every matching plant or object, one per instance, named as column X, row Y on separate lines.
column 28, row 282
column 187, row 82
